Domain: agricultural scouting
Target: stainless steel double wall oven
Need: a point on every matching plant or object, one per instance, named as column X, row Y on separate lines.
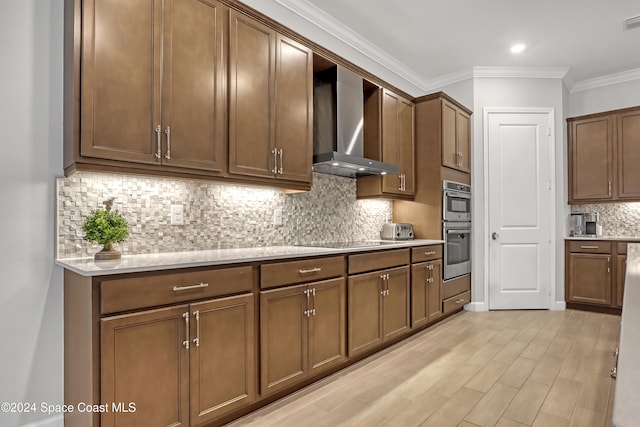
column 456, row 229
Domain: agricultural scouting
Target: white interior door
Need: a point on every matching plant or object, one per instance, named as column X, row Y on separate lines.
column 519, row 209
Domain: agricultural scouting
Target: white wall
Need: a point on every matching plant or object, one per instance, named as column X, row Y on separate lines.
column 511, row 92
column 612, row 97
column 31, row 343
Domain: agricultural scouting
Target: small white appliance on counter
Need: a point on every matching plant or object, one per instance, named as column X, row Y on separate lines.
column 396, row 231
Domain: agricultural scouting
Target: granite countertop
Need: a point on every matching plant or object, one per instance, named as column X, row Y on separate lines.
column 616, row 238
column 168, row 260
column 625, row 405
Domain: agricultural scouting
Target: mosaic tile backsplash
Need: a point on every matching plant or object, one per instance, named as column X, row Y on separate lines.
column 216, row 215
column 617, row 219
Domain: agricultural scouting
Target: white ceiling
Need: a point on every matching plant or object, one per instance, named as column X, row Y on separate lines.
column 428, row 41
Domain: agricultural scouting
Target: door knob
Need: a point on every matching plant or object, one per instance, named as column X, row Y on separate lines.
column 494, row 235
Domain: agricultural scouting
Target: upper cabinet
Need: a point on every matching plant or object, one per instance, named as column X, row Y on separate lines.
column 270, row 103
column 456, row 139
column 604, row 150
column 152, row 85
column 389, row 137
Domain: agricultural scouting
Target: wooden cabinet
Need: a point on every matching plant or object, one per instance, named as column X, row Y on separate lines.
column 302, row 332
column 595, row 271
column 603, row 153
column 270, row 103
column 378, row 308
column 153, row 83
column 180, row 365
column 442, row 130
column 426, row 292
column 456, row 137
column 389, row 138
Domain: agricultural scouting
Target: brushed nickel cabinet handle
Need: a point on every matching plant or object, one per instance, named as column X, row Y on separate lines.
column 461, row 300
column 186, row 288
column 159, row 142
column 307, row 312
column 309, row 271
column 588, row 247
column 614, row 372
column 608, row 264
column 185, row 343
column 196, row 340
column 430, row 253
column 167, row 131
column 280, row 171
column 609, row 188
column 275, row 160
column 313, row 310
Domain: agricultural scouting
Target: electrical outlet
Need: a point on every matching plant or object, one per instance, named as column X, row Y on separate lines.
column 277, row 217
column 177, row 215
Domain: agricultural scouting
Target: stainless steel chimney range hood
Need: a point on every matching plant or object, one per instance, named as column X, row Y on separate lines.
column 338, row 119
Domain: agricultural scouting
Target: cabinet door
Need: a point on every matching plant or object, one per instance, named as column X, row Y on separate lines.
column 327, row 324
column 194, row 85
column 365, row 312
column 406, row 145
column 294, row 110
column 590, row 278
column 396, row 303
column 222, row 353
column 144, row 360
column 390, row 149
column 283, row 337
column 449, row 135
column 463, row 140
column 434, row 291
column 419, row 296
column 251, row 90
column 621, row 268
column 628, row 132
column 120, row 101
column 591, row 155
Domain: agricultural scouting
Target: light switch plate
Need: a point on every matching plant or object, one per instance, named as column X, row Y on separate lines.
column 277, row 217
column 177, row 215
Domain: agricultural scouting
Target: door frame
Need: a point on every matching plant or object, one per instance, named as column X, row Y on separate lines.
column 550, row 112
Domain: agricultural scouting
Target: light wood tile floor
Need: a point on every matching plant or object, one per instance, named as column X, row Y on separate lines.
column 498, row 368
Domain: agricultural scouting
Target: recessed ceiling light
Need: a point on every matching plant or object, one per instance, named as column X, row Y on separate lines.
column 335, row 164
column 360, row 169
column 517, row 48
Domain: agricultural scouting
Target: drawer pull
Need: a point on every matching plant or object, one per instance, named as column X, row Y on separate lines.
column 588, row 247
column 309, row 271
column 460, row 301
column 186, row 288
column 430, row 253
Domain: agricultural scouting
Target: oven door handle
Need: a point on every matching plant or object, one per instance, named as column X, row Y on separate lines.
column 459, row 195
column 457, row 231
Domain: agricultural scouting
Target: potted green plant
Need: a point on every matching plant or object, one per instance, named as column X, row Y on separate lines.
column 106, row 227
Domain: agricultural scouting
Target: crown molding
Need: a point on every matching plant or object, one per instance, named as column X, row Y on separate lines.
column 611, row 79
column 448, row 79
column 337, row 29
column 521, row 72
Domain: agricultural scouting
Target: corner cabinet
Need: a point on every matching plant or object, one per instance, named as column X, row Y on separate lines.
column 270, row 103
column 595, row 274
column 153, row 88
column 604, row 150
column 389, row 137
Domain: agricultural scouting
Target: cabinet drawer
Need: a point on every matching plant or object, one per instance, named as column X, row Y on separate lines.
column 590, row 246
column 286, row 273
column 378, row 260
column 622, row 248
column 456, row 286
column 426, row 253
column 160, row 289
column 456, row 302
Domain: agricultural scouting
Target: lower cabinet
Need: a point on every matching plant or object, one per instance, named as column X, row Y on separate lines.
column 378, row 308
column 181, row 365
column 302, row 332
column 595, row 272
column 426, row 289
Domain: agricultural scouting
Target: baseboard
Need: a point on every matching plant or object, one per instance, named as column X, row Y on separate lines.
column 559, row 305
column 476, row 306
column 55, row 421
